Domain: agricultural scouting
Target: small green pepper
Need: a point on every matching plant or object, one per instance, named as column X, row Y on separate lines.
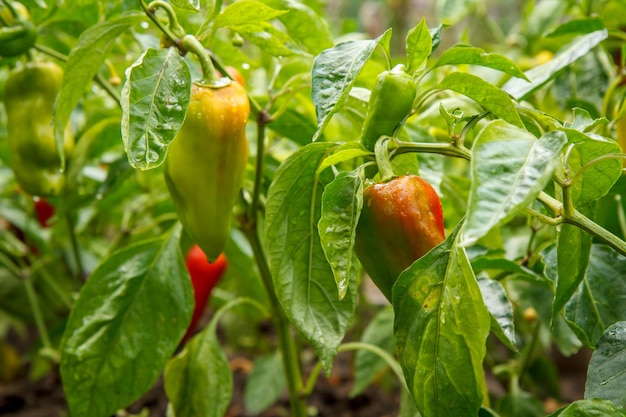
column 390, row 103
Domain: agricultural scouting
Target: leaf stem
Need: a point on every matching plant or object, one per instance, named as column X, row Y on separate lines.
column 381, row 150
column 36, row 309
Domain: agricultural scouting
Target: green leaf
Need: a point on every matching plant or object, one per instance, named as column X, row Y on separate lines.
column 126, row 323
column 250, row 18
column 154, row 102
column 346, row 152
column 599, row 300
column 573, row 251
column 520, row 403
column 245, row 12
column 342, row 201
column 590, row 408
column 441, row 328
column 265, row 384
column 334, row 73
column 198, row 381
column 304, row 25
column 596, row 181
column 578, row 26
column 83, row 63
column 501, row 311
column 269, row 39
column 451, row 11
column 606, row 376
column 483, row 93
column 465, row 54
column 303, row 279
column 368, row 365
column 540, row 75
column 419, row 46
column 192, row 5
column 509, row 169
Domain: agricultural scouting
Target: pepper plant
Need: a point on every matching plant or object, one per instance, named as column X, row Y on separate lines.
column 479, row 184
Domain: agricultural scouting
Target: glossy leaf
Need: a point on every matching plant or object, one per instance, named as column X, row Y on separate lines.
column 198, row 381
column 419, row 45
column 334, row 72
column 245, row 12
column 84, row 61
column 251, row 19
column 304, row 25
column 606, row 376
column 368, row 365
column 594, row 182
column 590, row 408
column 567, row 55
column 346, row 152
column 465, row 54
column 599, row 300
column 441, row 326
column 501, row 311
column 154, row 101
column 192, row 5
column 509, row 169
column 130, row 315
column 573, row 251
column 265, row 384
column 487, row 95
column 303, row 279
column 342, row 201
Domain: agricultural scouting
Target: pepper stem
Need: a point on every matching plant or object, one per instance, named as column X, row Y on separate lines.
column 381, row 151
column 210, row 76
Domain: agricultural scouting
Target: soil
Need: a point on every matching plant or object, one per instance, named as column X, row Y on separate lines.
column 45, row 397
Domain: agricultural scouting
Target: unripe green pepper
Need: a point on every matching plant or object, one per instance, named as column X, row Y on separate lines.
column 29, row 97
column 19, row 33
column 390, row 103
column 206, row 163
column 401, row 221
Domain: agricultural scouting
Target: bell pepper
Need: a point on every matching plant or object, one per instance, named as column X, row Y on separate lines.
column 206, row 163
column 29, row 97
column 401, row 221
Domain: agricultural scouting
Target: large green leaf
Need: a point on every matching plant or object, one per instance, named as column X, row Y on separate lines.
column 303, row 279
column 419, row 46
column 600, row 300
column 509, row 169
column 595, row 181
column 265, row 384
column 154, row 103
column 465, row 54
column 590, row 408
column 334, row 72
column 573, row 251
column 342, row 201
column 198, row 381
column 83, row 63
column 487, row 95
column 539, row 76
column 125, row 325
column 441, row 326
column 304, row 25
column 500, row 309
column 606, row 376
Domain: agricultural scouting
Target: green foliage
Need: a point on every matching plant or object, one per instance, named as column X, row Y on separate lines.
column 518, row 123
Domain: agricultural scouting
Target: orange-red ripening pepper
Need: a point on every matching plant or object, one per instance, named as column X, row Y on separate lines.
column 400, row 222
